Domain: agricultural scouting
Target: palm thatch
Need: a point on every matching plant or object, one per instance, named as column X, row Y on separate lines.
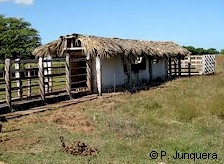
column 107, row 47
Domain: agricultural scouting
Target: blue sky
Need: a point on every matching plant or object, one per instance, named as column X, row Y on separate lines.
column 199, row 23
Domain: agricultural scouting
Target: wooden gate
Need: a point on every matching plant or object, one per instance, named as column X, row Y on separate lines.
column 79, row 66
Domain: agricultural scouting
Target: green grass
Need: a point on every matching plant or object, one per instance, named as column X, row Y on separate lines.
column 184, row 115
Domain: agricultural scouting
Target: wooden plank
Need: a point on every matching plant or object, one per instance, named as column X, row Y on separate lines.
column 78, row 60
column 78, row 82
column 8, row 82
column 55, row 74
column 79, row 75
column 31, row 69
column 74, row 49
column 78, row 68
column 56, row 67
column 25, row 86
column 25, row 78
column 29, row 61
column 54, row 60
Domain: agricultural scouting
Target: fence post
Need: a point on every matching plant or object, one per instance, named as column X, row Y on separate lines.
column 18, row 81
column 175, row 67
column 41, row 79
column 68, row 74
column 189, row 69
column 8, row 83
column 29, row 79
column 179, row 66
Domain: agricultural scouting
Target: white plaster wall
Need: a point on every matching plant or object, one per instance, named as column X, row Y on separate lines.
column 112, row 72
column 159, row 69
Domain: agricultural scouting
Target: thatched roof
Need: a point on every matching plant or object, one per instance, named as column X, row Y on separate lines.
column 106, row 47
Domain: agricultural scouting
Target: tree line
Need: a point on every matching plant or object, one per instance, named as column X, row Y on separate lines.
column 18, row 39
column 202, row 51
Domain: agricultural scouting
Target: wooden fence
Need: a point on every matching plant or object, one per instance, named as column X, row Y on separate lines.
column 23, row 80
column 176, row 68
column 202, row 64
column 192, row 65
column 26, row 80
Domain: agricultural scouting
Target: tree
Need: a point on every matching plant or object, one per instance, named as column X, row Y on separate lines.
column 201, row 51
column 211, row 51
column 17, row 38
column 222, row 51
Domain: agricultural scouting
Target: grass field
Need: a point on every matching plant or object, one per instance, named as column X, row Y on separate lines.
column 184, row 115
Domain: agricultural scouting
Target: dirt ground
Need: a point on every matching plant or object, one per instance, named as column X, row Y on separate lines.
column 15, row 136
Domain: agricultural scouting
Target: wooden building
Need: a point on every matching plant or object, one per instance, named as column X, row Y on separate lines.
column 104, row 64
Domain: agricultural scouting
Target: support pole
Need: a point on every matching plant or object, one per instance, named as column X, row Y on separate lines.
column 68, row 74
column 88, row 70
column 179, row 66
column 99, row 75
column 41, row 79
column 189, row 69
column 8, row 82
column 170, row 66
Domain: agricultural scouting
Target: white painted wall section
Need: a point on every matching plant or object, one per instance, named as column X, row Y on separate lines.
column 112, row 72
column 159, row 69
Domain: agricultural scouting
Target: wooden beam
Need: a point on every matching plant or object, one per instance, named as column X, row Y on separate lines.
column 68, row 74
column 189, row 69
column 179, row 66
column 74, row 49
column 99, row 75
column 88, row 76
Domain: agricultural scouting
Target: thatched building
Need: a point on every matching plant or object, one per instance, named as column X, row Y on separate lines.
column 112, row 62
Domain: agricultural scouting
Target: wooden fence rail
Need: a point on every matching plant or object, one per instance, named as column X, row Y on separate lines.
column 32, row 78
